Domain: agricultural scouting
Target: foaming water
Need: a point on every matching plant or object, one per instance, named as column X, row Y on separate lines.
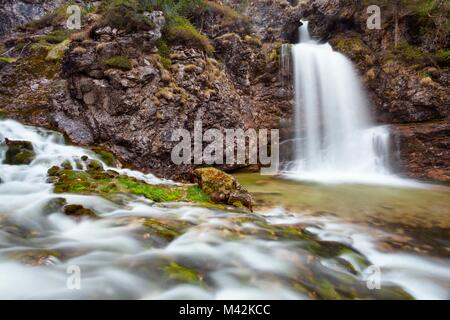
column 335, row 139
column 142, row 250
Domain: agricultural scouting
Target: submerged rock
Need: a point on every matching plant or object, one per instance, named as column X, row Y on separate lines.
column 54, row 205
column 78, row 211
column 222, row 187
column 19, row 152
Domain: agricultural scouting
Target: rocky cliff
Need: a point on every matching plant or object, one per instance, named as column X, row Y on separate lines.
column 133, row 74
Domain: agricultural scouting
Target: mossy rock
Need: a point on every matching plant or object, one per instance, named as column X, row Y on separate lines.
column 35, row 257
column 78, row 211
column 108, row 184
column 54, row 205
column 222, row 187
column 183, row 274
column 19, row 152
column 107, row 157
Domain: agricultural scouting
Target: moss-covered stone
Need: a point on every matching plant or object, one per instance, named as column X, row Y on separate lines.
column 19, row 152
column 222, row 187
column 78, row 211
column 54, row 205
column 118, row 62
column 107, row 157
column 183, row 274
column 108, row 184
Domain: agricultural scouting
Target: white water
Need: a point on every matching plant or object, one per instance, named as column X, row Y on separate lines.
column 118, row 258
column 335, row 139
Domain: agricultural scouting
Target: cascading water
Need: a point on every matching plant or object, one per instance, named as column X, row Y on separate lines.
column 335, row 139
column 191, row 253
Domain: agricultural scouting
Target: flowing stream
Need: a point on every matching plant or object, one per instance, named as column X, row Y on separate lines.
column 138, row 249
column 335, row 139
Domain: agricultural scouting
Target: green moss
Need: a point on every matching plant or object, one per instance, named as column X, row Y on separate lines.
column 410, row 53
column 155, row 193
column 229, row 15
column 118, row 62
column 350, row 45
column 215, row 181
column 107, row 157
column 166, row 229
column 108, row 184
column 443, row 56
column 7, row 60
column 183, row 274
column 164, row 53
column 3, row 114
column 125, row 15
column 19, row 152
column 253, row 40
column 56, row 36
column 195, row 194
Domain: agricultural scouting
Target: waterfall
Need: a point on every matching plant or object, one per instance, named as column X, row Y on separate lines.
column 335, row 140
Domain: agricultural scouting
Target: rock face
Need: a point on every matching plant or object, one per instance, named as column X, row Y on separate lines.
column 14, row 13
column 118, row 89
column 115, row 90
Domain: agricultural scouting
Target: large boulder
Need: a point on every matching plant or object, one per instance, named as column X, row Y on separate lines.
column 222, row 187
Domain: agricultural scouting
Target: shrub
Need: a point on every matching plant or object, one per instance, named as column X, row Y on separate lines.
column 180, row 30
column 164, row 53
column 443, row 56
column 118, row 62
column 125, row 15
column 227, row 12
column 56, row 36
column 410, row 53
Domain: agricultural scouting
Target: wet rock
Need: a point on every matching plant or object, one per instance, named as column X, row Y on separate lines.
column 36, row 257
column 94, row 165
column 19, row 152
column 66, row 165
column 53, row 171
column 222, row 187
column 78, row 211
column 54, row 205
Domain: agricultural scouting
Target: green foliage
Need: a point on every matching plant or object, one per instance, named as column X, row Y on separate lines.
column 118, row 62
column 174, row 8
column 195, row 194
column 3, row 114
column 229, row 14
column 125, row 15
column 56, row 36
column 106, row 156
column 7, row 60
column 156, row 193
column 410, row 53
column 164, row 53
column 180, row 30
column 443, row 56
